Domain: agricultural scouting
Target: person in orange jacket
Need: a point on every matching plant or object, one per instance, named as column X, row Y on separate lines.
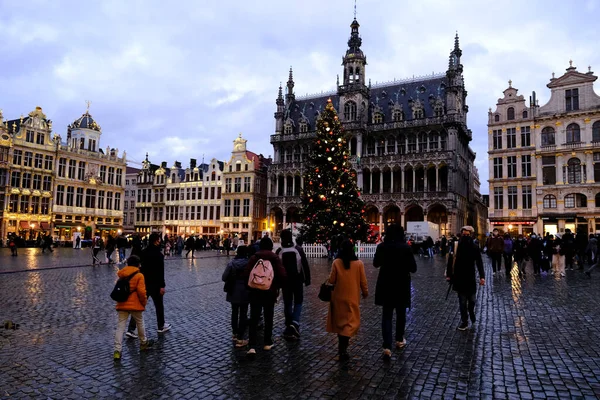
column 134, row 305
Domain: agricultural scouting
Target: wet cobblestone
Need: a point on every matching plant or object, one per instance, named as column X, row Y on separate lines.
column 535, row 338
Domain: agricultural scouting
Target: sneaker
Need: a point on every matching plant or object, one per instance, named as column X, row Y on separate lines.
column 387, row 354
column 463, row 326
column 166, row 327
column 268, row 347
column 251, row 353
column 401, row 345
column 147, row 345
column 131, row 335
column 241, row 343
column 294, row 329
column 117, row 356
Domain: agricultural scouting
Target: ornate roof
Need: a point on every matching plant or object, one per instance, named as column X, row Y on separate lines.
column 85, row 122
column 383, row 98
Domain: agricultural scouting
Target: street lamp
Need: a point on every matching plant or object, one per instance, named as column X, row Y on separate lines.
column 119, row 231
column 78, row 229
column 510, row 227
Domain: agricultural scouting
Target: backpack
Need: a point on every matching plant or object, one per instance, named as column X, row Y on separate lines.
column 261, row 276
column 122, row 290
column 291, row 260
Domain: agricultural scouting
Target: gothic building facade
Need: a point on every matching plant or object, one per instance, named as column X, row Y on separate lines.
column 409, row 145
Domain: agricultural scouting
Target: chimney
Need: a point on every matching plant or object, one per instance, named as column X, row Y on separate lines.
column 192, row 163
column 177, row 164
column 163, row 164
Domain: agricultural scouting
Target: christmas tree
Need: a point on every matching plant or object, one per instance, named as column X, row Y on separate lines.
column 331, row 205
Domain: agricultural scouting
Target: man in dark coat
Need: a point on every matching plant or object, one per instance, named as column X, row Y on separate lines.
column 153, row 269
column 397, row 262
column 464, row 256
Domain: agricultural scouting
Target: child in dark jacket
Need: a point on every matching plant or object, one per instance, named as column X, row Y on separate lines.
column 237, row 294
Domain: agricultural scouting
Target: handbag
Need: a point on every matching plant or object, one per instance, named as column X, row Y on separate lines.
column 325, row 291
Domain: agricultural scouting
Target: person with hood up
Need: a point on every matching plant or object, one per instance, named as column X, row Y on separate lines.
column 393, row 291
column 237, row 294
column 460, row 273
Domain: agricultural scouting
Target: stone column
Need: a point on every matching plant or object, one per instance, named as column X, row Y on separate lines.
column 359, row 144
column 301, row 182
column 380, row 181
column 402, row 179
column 414, row 181
column 370, row 182
column 359, row 179
column 589, row 166
column 380, row 223
column 559, row 169
column 285, row 185
column 293, row 185
column 391, row 181
column 425, row 187
column 539, row 171
column 284, row 222
column 269, row 188
column 437, row 179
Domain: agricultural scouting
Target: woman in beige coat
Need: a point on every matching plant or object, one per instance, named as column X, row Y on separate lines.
column 348, row 277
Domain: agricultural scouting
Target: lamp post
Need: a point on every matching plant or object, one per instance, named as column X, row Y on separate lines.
column 32, row 226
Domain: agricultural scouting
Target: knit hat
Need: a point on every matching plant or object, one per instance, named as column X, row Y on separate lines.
column 467, row 228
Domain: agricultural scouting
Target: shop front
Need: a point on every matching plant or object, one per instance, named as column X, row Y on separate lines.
column 514, row 228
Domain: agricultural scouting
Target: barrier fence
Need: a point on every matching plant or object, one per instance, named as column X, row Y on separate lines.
column 363, row 250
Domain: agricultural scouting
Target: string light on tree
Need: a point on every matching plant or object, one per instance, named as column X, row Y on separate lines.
column 331, row 203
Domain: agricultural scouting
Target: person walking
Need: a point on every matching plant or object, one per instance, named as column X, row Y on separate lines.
column 298, row 275
column 558, row 257
column 134, row 306
column 396, row 262
column 495, row 246
column 508, row 253
column 78, row 242
column 567, row 245
column 263, row 301
column 190, row 245
column 460, row 273
column 110, row 248
column 444, row 245
column 97, row 245
column 122, row 247
column 136, row 246
column 12, row 243
column 227, row 245
column 153, row 268
column 349, row 279
column 237, row 294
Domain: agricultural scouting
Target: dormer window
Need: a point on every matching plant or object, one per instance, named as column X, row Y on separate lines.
column 439, row 111
column 303, row 127
column 510, row 113
column 418, row 113
column 378, row 118
column 572, row 99
column 397, row 116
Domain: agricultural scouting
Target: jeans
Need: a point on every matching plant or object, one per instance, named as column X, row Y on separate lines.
column 239, row 319
column 496, row 261
column 293, row 297
column 508, row 263
column 137, row 319
column 466, row 302
column 386, row 324
column 122, row 252
column 263, row 301
column 157, row 299
column 95, row 255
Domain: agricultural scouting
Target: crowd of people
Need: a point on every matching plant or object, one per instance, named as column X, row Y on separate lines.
column 542, row 254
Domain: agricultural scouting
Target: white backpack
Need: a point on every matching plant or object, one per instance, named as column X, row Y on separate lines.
column 261, row 276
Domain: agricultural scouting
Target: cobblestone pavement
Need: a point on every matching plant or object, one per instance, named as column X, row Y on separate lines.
column 535, row 338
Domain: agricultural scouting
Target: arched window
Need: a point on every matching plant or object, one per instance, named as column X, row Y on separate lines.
column 378, row 118
column 288, row 129
column 439, row 111
column 549, row 201
column 596, row 132
column 350, row 111
column 397, row 116
column 574, row 170
column 391, row 145
column 548, row 136
column 510, row 113
column 433, row 141
column 573, row 133
column 418, row 113
column 303, row 127
column 525, row 114
column 351, row 74
column 575, row 200
column 496, row 118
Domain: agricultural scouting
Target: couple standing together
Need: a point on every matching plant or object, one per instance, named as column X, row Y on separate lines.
column 396, row 262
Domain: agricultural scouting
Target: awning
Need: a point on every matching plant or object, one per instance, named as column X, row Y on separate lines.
column 44, row 226
column 24, row 225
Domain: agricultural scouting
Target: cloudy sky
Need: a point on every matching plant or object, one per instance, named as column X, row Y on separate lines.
column 180, row 80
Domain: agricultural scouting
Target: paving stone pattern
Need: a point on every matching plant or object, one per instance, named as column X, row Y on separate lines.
column 535, row 338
